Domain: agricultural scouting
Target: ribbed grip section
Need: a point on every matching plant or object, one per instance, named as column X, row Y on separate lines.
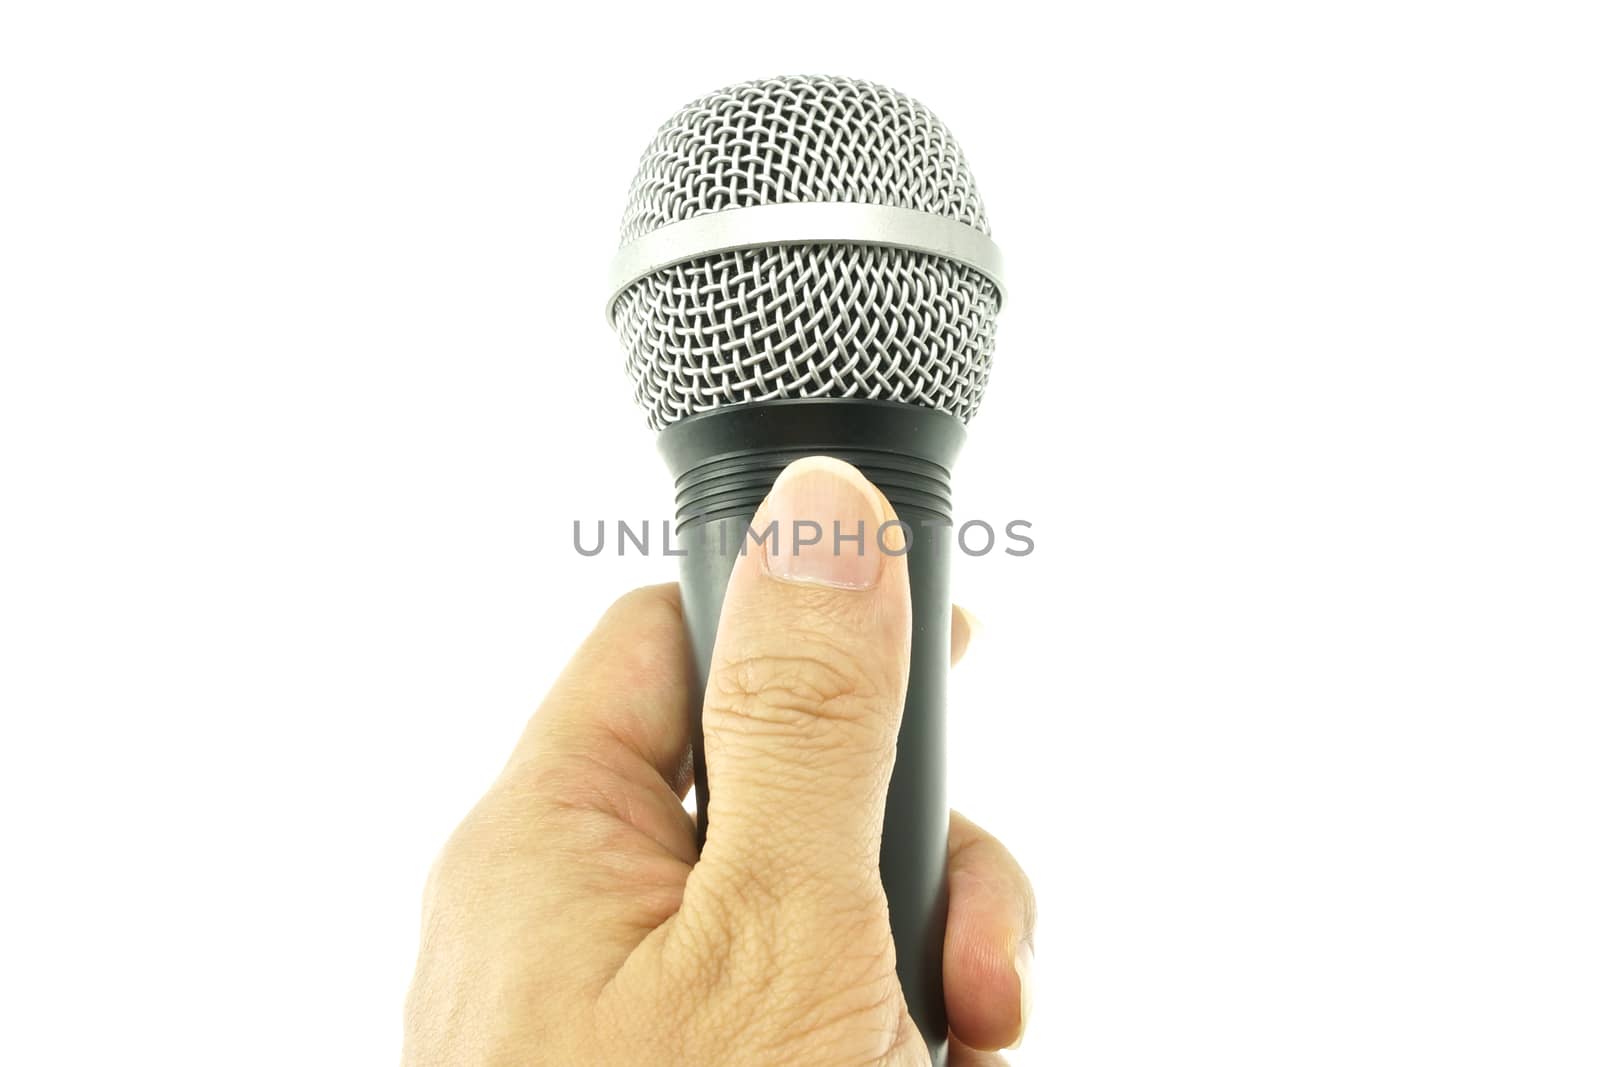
column 725, row 461
column 736, row 484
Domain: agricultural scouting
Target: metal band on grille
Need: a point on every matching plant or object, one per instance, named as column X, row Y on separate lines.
column 804, row 223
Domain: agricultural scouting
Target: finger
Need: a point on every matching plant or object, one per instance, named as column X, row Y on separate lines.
column 625, row 692
column 584, row 819
column 964, row 626
column 806, row 684
column 607, row 754
column 966, row 1056
column 988, row 949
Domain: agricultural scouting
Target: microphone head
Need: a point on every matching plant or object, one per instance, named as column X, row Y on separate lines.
column 805, row 237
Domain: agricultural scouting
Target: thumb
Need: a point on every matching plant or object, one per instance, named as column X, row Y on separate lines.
column 806, row 687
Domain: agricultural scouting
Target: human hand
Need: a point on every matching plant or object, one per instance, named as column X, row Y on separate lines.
column 570, row 920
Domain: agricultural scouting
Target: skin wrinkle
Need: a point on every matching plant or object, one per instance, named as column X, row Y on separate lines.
column 806, row 640
column 792, row 689
column 639, row 806
column 811, row 676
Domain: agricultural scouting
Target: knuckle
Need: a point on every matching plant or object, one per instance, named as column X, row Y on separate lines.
column 459, row 870
column 812, row 679
column 499, row 833
column 656, row 604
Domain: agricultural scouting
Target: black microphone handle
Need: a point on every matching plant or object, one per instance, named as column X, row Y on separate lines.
column 725, row 462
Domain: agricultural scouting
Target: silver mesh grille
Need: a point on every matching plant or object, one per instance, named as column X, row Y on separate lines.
column 805, row 320
column 800, row 140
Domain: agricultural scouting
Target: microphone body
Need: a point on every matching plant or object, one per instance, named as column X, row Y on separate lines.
column 806, row 269
column 724, row 462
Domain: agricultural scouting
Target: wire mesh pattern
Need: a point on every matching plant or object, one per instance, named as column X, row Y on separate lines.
column 807, row 320
column 800, row 140
column 799, row 321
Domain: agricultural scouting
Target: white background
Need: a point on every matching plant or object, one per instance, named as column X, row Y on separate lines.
column 1292, row 715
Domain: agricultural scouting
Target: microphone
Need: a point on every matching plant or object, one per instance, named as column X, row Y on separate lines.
column 806, row 269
